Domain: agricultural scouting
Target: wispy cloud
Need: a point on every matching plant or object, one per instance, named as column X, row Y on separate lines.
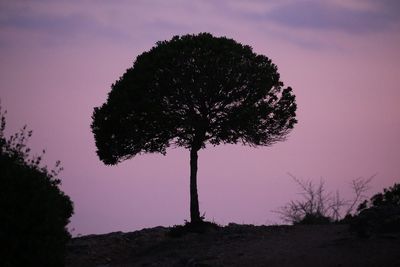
column 126, row 21
column 354, row 17
column 56, row 25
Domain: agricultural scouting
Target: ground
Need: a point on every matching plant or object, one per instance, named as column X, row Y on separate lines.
column 237, row 245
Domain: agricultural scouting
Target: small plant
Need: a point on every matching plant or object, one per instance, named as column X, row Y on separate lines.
column 34, row 212
column 380, row 214
column 321, row 207
column 200, row 227
column 314, row 218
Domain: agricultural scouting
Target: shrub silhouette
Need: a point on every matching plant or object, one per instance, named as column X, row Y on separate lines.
column 321, row 207
column 190, row 227
column 314, row 218
column 189, row 91
column 380, row 214
column 34, row 212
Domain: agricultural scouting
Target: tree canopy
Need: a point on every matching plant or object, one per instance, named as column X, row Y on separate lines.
column 190, row 91
column 193, row 90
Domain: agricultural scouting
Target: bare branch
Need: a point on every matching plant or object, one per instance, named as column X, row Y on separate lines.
column 359, row 186
column 318, row 202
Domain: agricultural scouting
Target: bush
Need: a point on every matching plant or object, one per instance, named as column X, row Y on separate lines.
column 34, row 212
column 381, row 214
column 314, row 218
column 200, row 227
column 318, row 206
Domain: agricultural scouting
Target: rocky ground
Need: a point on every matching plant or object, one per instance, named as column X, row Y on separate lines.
column 237, row 245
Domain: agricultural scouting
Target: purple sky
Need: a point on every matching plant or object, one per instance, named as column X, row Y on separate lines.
column 59, row 58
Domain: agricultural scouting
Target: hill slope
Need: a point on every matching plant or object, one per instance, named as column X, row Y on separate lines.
column 237, row 245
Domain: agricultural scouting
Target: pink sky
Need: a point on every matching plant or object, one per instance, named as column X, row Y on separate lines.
column 59, row 58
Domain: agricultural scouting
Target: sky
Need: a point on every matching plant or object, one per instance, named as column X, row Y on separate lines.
column 58, row 60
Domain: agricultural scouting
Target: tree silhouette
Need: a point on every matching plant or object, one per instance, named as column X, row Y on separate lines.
column 189, row 91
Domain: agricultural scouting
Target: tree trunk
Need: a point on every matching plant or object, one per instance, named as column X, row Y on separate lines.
column 194, row 199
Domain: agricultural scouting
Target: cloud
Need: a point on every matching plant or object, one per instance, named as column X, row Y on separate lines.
column 55, row 25
column 351, row 17
column 146, row 21
column 69, row 25
column 123, row 22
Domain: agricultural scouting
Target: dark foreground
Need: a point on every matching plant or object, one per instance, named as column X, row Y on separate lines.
column 237, row 245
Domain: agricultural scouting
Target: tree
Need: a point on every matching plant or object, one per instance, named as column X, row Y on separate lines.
column 189, row 91
column 34, row 211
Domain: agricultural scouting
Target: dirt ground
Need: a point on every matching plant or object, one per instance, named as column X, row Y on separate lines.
column 237, row 245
